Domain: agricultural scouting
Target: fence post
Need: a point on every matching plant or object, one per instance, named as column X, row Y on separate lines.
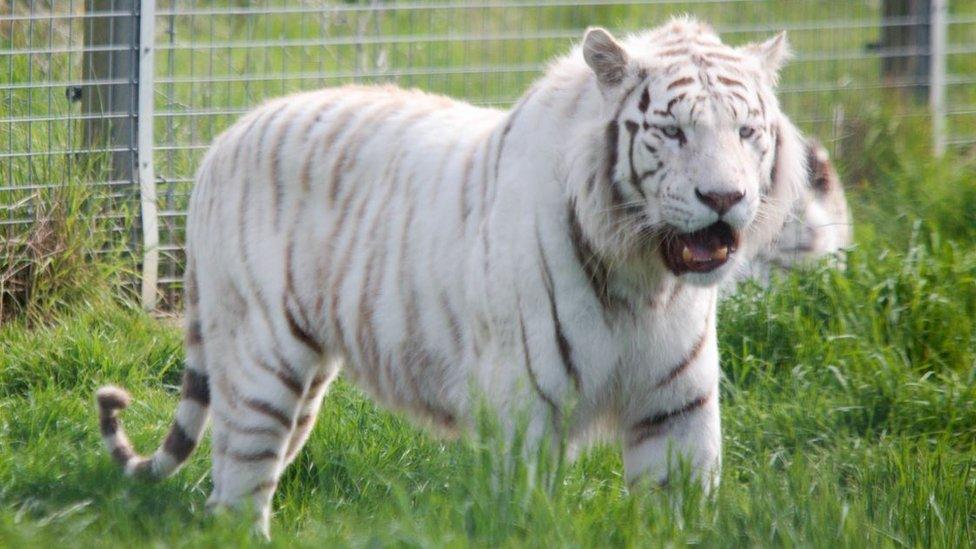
column 905, row 35
column 147, row 176
column 109, row 70
column 937, row 73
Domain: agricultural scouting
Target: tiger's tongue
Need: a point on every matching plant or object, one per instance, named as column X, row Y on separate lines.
column 700, row 250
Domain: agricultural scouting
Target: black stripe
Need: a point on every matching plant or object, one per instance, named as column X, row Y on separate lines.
column 346, row 159
column 464, row 207
column 178, row 443
column 261, row 455
column 612, row 136
column 275, row 170
column 724, row 56
column 108, row 425
column 251, row 430
column 243, row 221
column 691, row 115
column 287, row 371
column 688, row 359
column 554, row 409
column 242, row 140
column 290, row 281
column 594, row 269
column 774, row 169
column 565, row 349
column 453, row 324
column 632, row 128
column 343, row 270
column 316, row 383
column 413, row 355
column 673, row 52
column 265, row 485
column 674, row 101
column 681, row 82
column 731, row 82
column 271, row 117
column 508, row 127
column 300, row 333
column 269, row 410
column 742, row 98
column 645, row 100
column 194, row 333
column 373, row 281
column 303, row 421
column 196, row 387
column 328, row 104
column 651, row 172
column 289, row 381
column 655, row 425
column 122, row 454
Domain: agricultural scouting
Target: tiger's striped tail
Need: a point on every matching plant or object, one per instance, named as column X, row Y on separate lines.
column 184, row 433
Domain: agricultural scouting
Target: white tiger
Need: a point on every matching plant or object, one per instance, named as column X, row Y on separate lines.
column 560, row 258
column 819, row 224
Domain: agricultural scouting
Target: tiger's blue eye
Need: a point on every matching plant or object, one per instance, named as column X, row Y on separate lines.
column 674, row 132
column 745, row 132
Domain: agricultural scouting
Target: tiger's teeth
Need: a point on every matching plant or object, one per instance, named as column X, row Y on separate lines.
column 686, row 255
column 721, row 254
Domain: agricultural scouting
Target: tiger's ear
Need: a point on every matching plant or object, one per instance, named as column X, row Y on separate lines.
column 819, row 167
column 605, row 56
column 772, row 54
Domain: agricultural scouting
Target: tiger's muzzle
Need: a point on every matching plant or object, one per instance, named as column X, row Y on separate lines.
column 701, row 251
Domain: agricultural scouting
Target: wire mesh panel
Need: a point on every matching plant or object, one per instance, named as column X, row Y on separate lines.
column 215, row 59
column 67, row 115
column 961, row 73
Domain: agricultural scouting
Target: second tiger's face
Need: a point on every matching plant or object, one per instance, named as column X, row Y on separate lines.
column 819, row 224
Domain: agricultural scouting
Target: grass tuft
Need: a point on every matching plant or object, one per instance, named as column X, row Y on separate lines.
column 68, row 255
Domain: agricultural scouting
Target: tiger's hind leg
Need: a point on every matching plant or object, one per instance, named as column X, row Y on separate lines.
column 259, row 394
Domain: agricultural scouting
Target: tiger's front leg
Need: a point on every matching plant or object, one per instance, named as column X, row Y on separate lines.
column 665, row 442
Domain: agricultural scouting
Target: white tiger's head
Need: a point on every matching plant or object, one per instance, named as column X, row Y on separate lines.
column 699, row 162
column 820, row 224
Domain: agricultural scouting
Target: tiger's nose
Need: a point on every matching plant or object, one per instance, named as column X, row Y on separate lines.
column 720, row 202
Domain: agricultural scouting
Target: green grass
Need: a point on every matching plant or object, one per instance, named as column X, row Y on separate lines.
column 848, row 405
column 848, row 398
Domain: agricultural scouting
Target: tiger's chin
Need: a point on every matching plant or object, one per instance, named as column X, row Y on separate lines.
column 701, row 257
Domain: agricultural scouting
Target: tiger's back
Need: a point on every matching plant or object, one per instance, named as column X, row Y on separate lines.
column 333, row 230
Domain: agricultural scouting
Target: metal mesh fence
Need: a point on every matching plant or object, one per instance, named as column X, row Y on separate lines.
column 67, row 122
column 215, row 59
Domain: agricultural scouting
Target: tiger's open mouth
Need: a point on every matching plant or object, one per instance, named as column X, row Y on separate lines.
column 701, row 251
